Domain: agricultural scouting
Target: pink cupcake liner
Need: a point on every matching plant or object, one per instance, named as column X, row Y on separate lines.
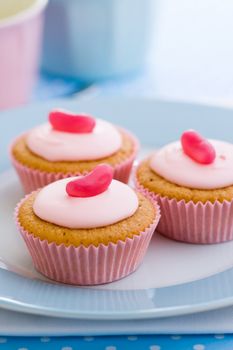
column 200, row 223
column 88, row 265
column 32, row 179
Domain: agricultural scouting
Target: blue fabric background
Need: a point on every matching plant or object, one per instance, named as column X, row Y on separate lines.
column 211, row 342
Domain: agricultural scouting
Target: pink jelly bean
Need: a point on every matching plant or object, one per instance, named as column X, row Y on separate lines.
column 197, row 148
column 92, row 184
column 69, row 122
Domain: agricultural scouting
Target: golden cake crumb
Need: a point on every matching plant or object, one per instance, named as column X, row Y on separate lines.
column 26, row 157
column 157, row 184
column 129, row 227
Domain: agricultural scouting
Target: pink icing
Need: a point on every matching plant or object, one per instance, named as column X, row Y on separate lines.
column 54, row 145
column 175, row 166
column 53, row 204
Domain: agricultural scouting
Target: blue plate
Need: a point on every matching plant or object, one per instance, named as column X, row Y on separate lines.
column 155, row 123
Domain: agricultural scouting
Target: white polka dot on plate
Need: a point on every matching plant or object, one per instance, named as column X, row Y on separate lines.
column 132, row 338
column 219, row 336
column 45, row 339
column 175, row 337
column 22, row 348
column 199, row 347
column 155, row 347
column 67, row 348
column 3, row 340
column 88, row 338
column 110, row 348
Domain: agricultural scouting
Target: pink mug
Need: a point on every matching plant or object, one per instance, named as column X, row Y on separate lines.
column 21, row 25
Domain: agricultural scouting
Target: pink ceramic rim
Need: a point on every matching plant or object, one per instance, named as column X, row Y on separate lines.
column 24, row 15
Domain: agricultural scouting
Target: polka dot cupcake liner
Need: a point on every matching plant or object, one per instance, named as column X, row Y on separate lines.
column 32, row 179
column 88, row 265
column 200, row 223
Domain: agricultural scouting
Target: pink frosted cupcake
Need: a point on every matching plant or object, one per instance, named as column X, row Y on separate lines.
column 70, row 145
column 87, row 230
column 192, row 180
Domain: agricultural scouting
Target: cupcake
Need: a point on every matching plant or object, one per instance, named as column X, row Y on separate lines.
column 71, row 145
column 192, row 180
column 87, row 230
